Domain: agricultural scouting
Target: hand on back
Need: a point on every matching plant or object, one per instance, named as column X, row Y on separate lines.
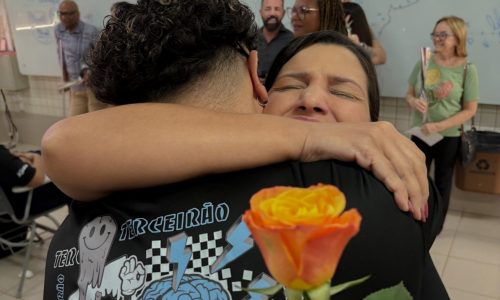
column 377, row 147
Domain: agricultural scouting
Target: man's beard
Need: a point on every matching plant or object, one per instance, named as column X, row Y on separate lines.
column 272, row 26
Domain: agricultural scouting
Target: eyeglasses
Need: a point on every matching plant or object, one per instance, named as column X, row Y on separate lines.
column 440, row 35
column 66, row 13
column 300, row 11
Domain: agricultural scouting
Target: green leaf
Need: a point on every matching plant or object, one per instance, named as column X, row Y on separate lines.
column 322, row 292
column 340, row 287
column 269, row 291
column 398, row 292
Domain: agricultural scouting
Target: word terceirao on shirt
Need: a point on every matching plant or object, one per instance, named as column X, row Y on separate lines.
column 191, row 218
column 66, row 258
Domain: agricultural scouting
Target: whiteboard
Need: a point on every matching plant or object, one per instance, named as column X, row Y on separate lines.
column 32, row 25
column 403, row 27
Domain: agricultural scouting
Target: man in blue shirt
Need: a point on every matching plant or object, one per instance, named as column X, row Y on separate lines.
column 273, row 36
column 74, row 39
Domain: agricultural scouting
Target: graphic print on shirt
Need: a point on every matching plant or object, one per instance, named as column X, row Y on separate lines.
column 177, row 267
column 432, row 77
column 121, row 278
column 440, row 89
column 443, row 91
column 94, row 243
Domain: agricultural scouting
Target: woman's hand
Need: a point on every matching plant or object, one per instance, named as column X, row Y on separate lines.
column 418, row 104
column 377, row 147
column 430, row 128
column 355, row 38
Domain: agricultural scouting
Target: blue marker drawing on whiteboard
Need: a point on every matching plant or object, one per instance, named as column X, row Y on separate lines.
column 385, row 18
column 494, row 20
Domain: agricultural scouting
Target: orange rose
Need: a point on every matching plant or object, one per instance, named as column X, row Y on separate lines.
column 301, row 232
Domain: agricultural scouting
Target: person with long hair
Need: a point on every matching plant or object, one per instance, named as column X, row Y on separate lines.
column 360, row 32
column 314, row 15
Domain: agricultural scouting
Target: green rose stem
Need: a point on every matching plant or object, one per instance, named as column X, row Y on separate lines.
column 320, row 293
column 292, row 294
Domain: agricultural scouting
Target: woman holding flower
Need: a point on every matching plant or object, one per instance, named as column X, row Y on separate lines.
column 449, row 79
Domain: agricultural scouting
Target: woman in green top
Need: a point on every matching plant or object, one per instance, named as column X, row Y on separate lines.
column 443, row 110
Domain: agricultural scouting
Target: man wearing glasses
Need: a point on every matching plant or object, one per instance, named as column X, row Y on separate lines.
column 273, row 36
column 74, row 39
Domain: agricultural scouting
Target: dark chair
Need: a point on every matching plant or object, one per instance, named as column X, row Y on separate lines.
column 18, row 237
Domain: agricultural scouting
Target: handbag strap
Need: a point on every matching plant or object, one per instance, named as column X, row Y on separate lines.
column 462, row 101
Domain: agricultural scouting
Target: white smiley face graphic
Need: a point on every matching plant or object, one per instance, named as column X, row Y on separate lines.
column 98, row 232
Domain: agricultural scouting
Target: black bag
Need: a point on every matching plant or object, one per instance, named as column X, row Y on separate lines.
column 468, row 139
column 468, row 146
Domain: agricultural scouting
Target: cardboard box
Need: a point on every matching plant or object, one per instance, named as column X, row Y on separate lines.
column 481, row 175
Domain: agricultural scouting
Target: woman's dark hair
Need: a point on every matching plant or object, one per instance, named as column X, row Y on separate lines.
column 359, row 23
column 331, row 16
column 329, row 37
column 157, row 47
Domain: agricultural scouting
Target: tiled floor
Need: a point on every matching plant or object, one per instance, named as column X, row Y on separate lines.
column 466, row 254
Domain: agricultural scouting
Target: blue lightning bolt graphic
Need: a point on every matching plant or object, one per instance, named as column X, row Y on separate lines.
column 178, row 255
column 260, row 282
column 239, row 240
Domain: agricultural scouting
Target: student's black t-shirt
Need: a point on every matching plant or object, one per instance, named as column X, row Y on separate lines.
column 188, row 240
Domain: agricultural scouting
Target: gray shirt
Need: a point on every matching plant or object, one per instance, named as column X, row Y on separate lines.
column 268, row 51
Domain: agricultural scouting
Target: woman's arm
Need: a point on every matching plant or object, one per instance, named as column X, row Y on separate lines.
column 142, row 145
column 377, row 52
column 467, row 112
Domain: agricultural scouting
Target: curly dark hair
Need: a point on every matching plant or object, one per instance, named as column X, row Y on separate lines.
column 157, row 47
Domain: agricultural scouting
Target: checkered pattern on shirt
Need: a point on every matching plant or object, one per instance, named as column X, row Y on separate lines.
column 205, row 247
